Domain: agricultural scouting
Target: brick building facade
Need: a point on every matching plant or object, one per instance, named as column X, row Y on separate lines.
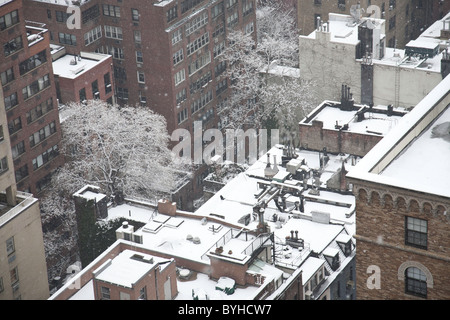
column 402, row 204
column 30, row 98
column 81, row 77
column 165, row 53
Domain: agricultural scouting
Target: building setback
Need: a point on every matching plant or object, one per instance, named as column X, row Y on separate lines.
column 29, row 98
column 82, row 77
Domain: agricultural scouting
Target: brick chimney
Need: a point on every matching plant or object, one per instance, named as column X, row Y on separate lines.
column 167, row 207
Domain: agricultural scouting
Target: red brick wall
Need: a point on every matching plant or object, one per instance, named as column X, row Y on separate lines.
column 380, row 235
column 314, row 137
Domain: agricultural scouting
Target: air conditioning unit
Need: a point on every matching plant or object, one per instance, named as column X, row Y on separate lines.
column 309, row 295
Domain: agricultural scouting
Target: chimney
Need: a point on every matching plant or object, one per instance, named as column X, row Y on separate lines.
column 275, row 167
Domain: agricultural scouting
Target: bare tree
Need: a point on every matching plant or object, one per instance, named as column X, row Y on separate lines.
column 119, row 149
column 122, row 150
column 266, row 86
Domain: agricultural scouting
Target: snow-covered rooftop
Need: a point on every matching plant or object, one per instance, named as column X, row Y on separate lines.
column 72, row 66
column 125, row 269
column 414, row 155
column 376, row 120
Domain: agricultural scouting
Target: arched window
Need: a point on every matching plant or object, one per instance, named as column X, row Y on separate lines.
column 415, row 282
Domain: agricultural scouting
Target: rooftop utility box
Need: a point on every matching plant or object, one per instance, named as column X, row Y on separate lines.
column 423, row 49
column 294, row 164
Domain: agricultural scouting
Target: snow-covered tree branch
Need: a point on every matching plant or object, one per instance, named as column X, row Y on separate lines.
column 266, row 85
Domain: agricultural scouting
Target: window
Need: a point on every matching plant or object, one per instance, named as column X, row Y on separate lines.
column 32, row 62
column 135, row 15
column 200, row 82
column 15, row 125
column 106, row 293
column 66, row 38
column 18, row 149
column 180, row 76
column 111, row 11
column 122, row 93
column 392, row 4
column 42, row 109
column 143, row 294
column 107, row 80
column 7, row 76
column 178, row 57
column 247, row 7
column 95, row 92
column 182, row 115
column 116, row 52
column 36, row 87
column 231, row 3
column 177, row 36
column 196, row 23
column 113, row 32
column 249, row 28
column 93, row 35
column 21, row 173
column 45, row 157
column 172, row 13
column 10, row 247
column 181, row 96
column 232, row 19
column 141, row 77
column 318, row 2
column 9, row 20
column 201, row 102
column 198, row 43
column 189, row 4
column 44, row 182
column 220, row 68
column 90, row 13
column 416, row 232
column 392, row 23
column 221, row 86
column 341, row 4
column 12, row 46
column 139, row 57
column 415, row 282
column 120, row 73
column 217, row 10
column 199, row 63
column 2, row 288
column 2, row 136
column 14, row 273
column 42, row 134
column 61, row 16
column 218, row 48
column 218, row 30
column 3, row 165
column 137, row 36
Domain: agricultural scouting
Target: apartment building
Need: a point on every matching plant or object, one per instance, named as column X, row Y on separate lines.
column 23, row 269
column 402, row 204
column 164, row 52
column 405, row 20
column 29, row 98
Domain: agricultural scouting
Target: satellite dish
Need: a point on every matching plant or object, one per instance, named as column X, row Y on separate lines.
column 371, row 24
